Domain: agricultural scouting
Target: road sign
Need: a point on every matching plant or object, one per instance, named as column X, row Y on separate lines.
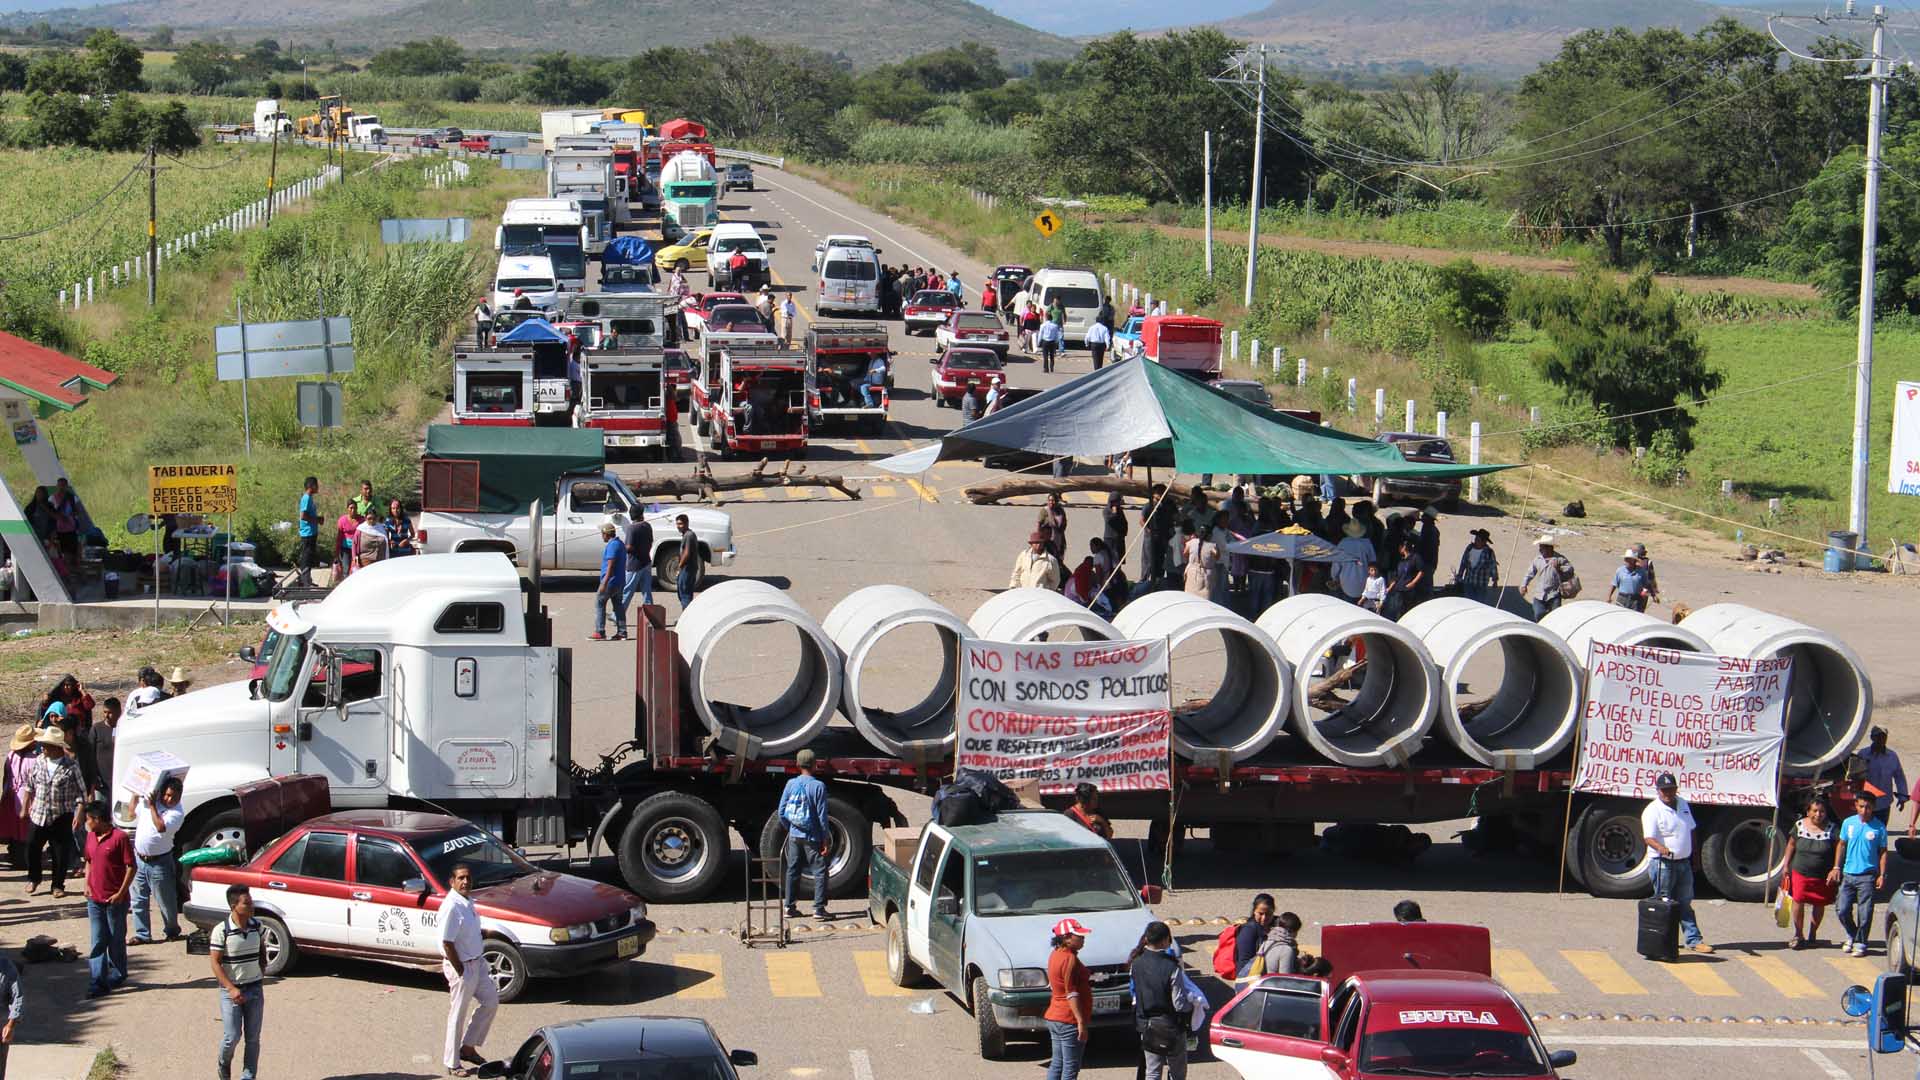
column 318, row 404
column 271, row 350
column 193, row 489
column 1048, row 223
column 421, row 230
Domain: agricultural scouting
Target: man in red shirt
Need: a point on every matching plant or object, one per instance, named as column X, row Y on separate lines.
column 109, row 876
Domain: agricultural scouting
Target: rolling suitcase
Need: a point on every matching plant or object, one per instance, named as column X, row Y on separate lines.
column 1659, row 937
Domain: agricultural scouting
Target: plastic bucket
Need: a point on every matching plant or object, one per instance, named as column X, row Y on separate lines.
column 1840, row 547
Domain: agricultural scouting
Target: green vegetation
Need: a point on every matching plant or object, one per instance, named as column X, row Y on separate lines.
column 106, row 1065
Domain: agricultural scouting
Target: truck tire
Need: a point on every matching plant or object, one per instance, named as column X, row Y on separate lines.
column 674, row 848
column 505, row 966
column 1734, row 853
column 993, row 1041
column 1898, row 962
column 278, row 952
column 666, row 572
column 850, row 835
column 903, row 972
column 1613, row 856
column 225, row 825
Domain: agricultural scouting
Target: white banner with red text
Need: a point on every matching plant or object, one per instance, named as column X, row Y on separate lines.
column 1093, row 712
column 1717, row 723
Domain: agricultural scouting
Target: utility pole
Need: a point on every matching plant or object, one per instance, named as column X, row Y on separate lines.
column 153, row 233
column 273, row 166
column 1253, row 204
column 1206, row 162
column 1870, row 226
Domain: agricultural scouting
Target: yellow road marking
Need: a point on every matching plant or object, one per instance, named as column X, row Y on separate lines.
column 872, row 967
column 1781, row 977
column 805, row 315
column 1699, row 977
column 862, row 444
column 754, row 493
column 1857, row 969
column 924, row 491
column 790, row 975
column 1512, row 967
column 689, row 967
column 884, row 491
column 1603, row 971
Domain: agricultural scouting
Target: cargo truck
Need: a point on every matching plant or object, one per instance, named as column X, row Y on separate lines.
column 839, row 357
column 556, row 123
column 492, row 388
column 586, row 178
column 579, row 149
column 750, row 399
column 689, row 194
column 624, row 393
column 268, row 120
column 555, row 228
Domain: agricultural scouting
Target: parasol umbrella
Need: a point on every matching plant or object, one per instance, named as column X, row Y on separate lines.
column 1294, row 544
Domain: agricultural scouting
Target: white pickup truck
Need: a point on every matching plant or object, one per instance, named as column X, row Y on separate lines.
column 478, row 486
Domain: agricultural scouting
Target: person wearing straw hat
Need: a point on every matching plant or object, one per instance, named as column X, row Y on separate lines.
column 52, row 805
column 13, row 789
column 1549, row 566
column 1351, row 574
column 178, row 682
column 1629, row 587
column 1478, row 574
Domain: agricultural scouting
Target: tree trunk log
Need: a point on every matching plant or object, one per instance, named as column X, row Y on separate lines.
column 1016, row 485
column 703, row 483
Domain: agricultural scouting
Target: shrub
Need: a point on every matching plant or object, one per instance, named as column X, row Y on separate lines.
column 1663, row 464
column 1470, row 299
column 1569, row 424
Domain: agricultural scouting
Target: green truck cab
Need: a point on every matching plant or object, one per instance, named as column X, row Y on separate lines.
column 974, row 911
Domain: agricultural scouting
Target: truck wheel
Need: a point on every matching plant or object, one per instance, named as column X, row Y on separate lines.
column 223, row 826
column 1613, row 856
column 850, row 846
column 276, row 945
column 1897, row 959
column 903, row 972
column 993, row 1041
column 666, row 568
column 674, row 848
column 1733, row 855
column 506, row 967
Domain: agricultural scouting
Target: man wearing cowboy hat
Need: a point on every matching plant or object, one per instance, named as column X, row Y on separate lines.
column 1478, row 574
column 1548, row 566
column 52, row 806
column 1352, row 573
column 1629, row 587
column 1036, row 567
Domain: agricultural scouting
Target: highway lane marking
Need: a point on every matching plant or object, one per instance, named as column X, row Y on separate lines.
column 1603, row 971
column 754, row 494
column 1732, row 1043
column 884, row 491
column 1781, row 977
column 1825, row 1064
column 790, row 975
column 1700, row 978
column 894, row 240
column 1512, row 967
column 926, row 493
column 1857, row 969
column 872, row 966
column 689, row 967
column 862, row 1065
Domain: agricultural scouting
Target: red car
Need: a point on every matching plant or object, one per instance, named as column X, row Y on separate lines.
column 679, row 373
column 368, row 884
column 928, row 310
column 958, row 368
column 1403, row 999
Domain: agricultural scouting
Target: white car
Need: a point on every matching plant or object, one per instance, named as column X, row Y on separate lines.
column 530, row 276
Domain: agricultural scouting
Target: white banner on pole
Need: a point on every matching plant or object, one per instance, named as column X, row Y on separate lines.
column 1717, row 723
column 1066, row 714
column 1903, row 472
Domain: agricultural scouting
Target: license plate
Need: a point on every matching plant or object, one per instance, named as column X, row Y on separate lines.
column 629, row 440
column 1111, row 1005
column 627, row 947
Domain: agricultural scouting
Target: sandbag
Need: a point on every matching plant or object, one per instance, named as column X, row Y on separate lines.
column 217, row 855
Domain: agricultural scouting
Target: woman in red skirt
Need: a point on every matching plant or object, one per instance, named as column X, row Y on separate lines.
column 1810, row 878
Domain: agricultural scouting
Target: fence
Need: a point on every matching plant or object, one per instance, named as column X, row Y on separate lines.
column 129, row 271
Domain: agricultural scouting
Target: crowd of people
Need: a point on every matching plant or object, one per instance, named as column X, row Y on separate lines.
column 59, row 520
column 367, row 531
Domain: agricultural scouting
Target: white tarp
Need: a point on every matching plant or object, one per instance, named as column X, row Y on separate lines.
column 1717, row 723
column 1903, row 468
column 1065, row 714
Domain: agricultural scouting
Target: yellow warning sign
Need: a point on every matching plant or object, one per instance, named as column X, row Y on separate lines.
column 1047, row 223
column 193, row 489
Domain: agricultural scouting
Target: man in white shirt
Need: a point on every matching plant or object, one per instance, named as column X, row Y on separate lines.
column 1667, row 826
column 157, row 822
column 466, row 972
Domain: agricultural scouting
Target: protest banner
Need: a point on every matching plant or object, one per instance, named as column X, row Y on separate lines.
column 1903, row 465
column 1717, row 723
column 1093, row 712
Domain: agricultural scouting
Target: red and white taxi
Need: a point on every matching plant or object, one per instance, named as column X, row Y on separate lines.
column 957, row 369
column 928, row 310
column 368, row 884
column 1413, row 999
column 981, row 329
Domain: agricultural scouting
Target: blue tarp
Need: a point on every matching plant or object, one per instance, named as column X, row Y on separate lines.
column 628, row 251
column 532, row 332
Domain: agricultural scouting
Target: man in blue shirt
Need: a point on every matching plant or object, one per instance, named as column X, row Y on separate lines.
column 1860, row 865
column 613, row 587
column 875, row 380
column 309, row 528
column 1629, row 588
column 803, row 809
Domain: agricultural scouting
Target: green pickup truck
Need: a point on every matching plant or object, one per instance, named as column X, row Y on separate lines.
column 976, row 908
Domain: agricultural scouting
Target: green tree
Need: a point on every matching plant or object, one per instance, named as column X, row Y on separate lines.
column 115, row 62
column 160, row 37
column 1624, row 346
column 59, row 73
column 956, row 70
column 59, row 120
column 1469, row 299
column 1001, row 104
column 13, row 72
column 564, row 79
column 434, row 56
column 204, row 65
column 1821, row 237
column 889, row 93
column 171, row 128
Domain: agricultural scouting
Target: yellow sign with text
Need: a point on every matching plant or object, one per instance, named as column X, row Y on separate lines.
column 1047, row 223
column 193, row 489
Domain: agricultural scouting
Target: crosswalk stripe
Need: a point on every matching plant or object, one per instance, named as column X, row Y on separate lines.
column 1699, row 977
column 1781, row 977
column 872, row 966
column 687, row 977
column 755, row 494
column 884, row 491
column 1857, row 969
column 1603, row 971
column 790, row 975
column 1512, row 967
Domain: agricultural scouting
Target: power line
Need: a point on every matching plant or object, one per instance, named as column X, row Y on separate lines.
column 91, row 207
column 1823, row 372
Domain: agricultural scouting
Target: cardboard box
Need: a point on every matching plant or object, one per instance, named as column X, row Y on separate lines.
column 900, row 845
column 152, row 769
column 1027, row 791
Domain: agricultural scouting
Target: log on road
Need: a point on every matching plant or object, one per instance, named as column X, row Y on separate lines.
column 703, row 483
column 1012, row 486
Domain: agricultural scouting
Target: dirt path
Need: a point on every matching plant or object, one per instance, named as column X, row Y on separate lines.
column 1538, row 264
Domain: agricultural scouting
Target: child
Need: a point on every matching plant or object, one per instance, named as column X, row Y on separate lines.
column 1374, row 596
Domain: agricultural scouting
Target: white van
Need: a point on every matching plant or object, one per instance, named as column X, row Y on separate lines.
column 849, row 279
column 532, row 276
column 1078, row 290
column 838, row 240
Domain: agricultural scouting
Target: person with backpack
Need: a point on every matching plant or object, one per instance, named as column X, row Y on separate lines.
column 1558, row 582
column 1240, row 943
column 1161, row 1006
column 803, row 807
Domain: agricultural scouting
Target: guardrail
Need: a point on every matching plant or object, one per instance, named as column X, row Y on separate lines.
column 748, row 155
column 392, row 146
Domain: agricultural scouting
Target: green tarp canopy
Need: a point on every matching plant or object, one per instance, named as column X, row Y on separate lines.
column 1137, row 404
column 517, row 465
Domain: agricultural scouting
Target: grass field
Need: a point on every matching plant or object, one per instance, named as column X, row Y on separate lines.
column 41, row 188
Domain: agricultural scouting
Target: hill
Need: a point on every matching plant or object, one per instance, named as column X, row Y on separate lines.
column 864, row 31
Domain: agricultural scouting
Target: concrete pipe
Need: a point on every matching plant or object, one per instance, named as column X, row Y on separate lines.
column 1386, row 720
column 800, row 712
column 1831, row 699
column 922, row 730
column 1025, row 614
column 1580, row 623
column 1248, row 706
column 1529, row 712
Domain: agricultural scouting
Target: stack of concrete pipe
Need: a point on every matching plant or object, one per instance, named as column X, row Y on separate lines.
column 1249, row 709
column 1581, row 623
column 1830, row 697
column 921, row 732
column 801, row 712
column 1389, row 717
column 1533, row 714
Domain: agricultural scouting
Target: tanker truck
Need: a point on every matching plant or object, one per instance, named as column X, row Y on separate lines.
column 689, row 194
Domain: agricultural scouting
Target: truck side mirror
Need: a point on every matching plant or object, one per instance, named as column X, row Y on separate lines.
column 1334, row 1058
column 417, row 886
